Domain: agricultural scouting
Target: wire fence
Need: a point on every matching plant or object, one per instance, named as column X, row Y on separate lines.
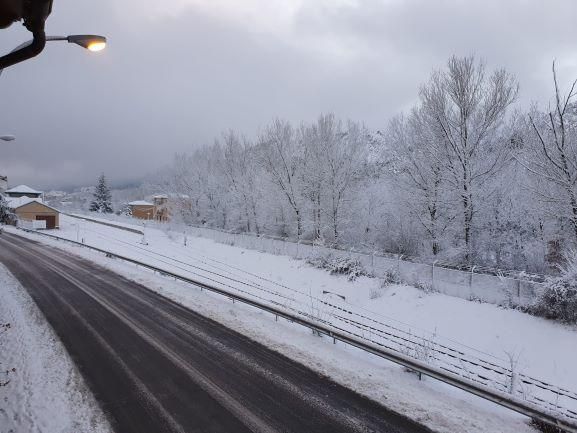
column 501, row 288
column 494, row 286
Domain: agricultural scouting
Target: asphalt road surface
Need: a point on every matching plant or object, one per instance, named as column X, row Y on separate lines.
column 156, row 366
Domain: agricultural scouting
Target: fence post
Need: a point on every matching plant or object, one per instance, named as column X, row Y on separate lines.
column 399, row 265
column 433, row 275
column 471, row 279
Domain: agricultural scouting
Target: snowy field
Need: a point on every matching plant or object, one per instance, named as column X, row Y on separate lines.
column 45, row 393
column 539, row 348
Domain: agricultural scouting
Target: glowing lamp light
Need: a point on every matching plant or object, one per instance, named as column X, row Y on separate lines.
column 92, row 43
column 96, row 46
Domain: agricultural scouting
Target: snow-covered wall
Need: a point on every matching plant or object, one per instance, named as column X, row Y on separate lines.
column 493, row 289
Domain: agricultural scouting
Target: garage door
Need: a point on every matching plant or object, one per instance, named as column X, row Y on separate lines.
column 50, row 220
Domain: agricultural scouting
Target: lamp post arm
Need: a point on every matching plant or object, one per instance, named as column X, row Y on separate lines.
column 56, row 38
column 25, row 51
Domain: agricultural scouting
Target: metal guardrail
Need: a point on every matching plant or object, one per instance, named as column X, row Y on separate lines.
column 116, row 226
column 501, row 398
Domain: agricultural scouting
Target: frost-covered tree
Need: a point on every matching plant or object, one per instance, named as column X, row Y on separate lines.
column 332, row 154
column 344, row 152
column 469, row 107
column 558, row 298
column 278, row 156
column 239, row 168
column 6, row 214
column 455, row 179
column 550, row 155
column 419, row 171
column 125, row 210
column 313, row 173
column 102, row 201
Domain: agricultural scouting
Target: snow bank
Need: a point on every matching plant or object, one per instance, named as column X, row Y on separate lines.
column 45, row 392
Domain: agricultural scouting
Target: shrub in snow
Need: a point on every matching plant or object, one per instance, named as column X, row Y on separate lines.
column 425, row 287
column 390, row 277
column 350, row 267
column 320, row 262
column 476, row 299
column 126, row 210
column 545, row 428
column 6, row 214
column 376, row 292
column 558, row 299
column 423, row 350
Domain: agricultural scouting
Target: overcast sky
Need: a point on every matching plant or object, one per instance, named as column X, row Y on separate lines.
column 178, row 72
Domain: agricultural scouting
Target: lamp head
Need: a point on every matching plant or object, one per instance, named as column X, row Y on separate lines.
column 90, row 42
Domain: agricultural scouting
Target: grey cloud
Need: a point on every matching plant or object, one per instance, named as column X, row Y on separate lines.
column 172, row 83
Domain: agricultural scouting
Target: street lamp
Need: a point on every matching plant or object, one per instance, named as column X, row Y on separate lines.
column 92, row 43
column 7, row 138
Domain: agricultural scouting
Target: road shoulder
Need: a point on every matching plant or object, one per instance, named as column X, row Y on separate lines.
column 45, row 392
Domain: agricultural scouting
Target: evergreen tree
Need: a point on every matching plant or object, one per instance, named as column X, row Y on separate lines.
column 102, row 202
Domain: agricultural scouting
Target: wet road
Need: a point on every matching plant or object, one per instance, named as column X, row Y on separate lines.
column 156, row 366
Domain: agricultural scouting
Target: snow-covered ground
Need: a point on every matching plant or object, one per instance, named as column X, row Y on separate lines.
column 45, row 393
column 544, row 349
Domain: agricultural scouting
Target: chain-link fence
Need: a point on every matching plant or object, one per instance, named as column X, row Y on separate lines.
column 501, row 289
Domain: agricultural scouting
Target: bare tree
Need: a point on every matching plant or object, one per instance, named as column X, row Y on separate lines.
column 469, row 108
column 239, row 169
column 279, row 157
column 551, row 155
column 420, row 172
column 313, row 173
column 344, row 151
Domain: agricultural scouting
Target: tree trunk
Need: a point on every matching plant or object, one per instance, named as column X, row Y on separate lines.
column 468, row 215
